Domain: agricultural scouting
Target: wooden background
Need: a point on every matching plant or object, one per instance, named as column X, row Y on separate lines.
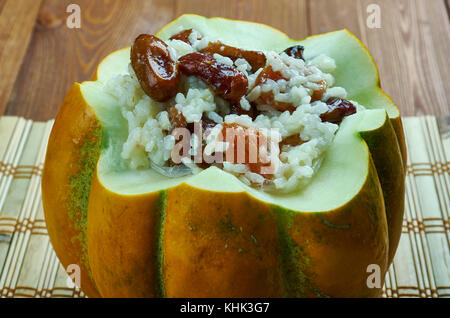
column 40, row 57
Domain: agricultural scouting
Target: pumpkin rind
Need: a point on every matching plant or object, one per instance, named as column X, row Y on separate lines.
column 72, row 154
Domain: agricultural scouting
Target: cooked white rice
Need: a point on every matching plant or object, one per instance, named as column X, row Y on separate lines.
column 149, row 125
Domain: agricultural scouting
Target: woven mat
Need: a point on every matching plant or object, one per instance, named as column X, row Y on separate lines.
column 29, row 266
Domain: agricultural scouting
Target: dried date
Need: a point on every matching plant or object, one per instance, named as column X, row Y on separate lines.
column 256, row 59
column 184, row 36
column 157, row 73
column 267, row 98
column 226, row 81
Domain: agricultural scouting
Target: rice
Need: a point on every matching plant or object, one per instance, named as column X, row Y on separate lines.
column 195, row 103
column 215, row 117
column 243, row 66
column 223, row 60
column 323, row 63
column 335, row 92
column 150, row 141
column 245, row 105
column 178, row 48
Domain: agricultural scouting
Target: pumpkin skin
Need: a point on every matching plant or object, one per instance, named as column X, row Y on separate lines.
column 231, row 244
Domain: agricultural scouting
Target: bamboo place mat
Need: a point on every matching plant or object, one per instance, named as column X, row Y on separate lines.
column 29, row 266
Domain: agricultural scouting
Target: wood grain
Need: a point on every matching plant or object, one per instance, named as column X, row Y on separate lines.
column 2, row 4
column 411, row 48
column 16, row 25
column 286, row 15
column 59, row 56
column 413, row 61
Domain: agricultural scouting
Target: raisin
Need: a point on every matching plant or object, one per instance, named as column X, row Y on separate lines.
column 207, row 124
column 156, row 71
column 338, row 108
column 256, row 59
column 237, row 109
column 176, row 118
column 267, row 98
column 226, row 81
column 184, row 36
column 293, row 141
column 295, row 51
column 318, row 93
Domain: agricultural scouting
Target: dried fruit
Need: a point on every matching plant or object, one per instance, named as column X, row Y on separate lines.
column 255, row 58
column 295, row 51
column 207, row 124
column 338, row 108
column 267, row 98
column 293, row 141
column 156, row 71
column 318, row 93
column 226, row 81
column 237, row 109
column 184, row 36
column 268, row 73
column 176, row 118
column 251, row 139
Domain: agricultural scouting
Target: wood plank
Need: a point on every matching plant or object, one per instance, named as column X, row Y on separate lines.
column 331, row 15
column 413, row 61
column 411, row 47
column 16, row 28
column 59, row 56
column 286, row 15
column 2, row 4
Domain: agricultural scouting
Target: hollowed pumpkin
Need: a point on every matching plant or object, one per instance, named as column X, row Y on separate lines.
column 139, row 234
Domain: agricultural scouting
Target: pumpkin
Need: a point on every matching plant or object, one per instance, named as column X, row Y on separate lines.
column 140, row 234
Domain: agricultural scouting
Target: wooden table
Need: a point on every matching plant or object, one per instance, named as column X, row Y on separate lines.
column 41, row 57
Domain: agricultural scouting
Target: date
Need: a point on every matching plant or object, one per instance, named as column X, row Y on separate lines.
column 156, row 71
column 256, row 59
column 184, row 36
column 226, row 81
column 267, row 98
